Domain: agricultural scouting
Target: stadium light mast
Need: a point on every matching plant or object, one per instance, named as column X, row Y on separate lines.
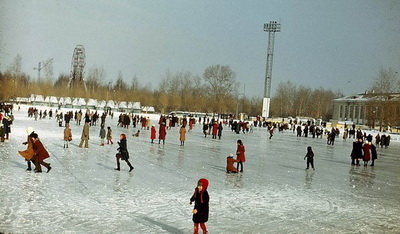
column 272, row 27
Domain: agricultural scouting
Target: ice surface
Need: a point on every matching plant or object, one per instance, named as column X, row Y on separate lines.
column 274, row 194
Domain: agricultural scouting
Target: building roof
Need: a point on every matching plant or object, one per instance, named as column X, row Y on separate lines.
column 369, row 97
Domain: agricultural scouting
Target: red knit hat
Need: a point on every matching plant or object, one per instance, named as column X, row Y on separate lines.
column 123, row 136
column 203, row 182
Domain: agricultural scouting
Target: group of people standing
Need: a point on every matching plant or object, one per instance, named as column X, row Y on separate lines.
column 365, row 151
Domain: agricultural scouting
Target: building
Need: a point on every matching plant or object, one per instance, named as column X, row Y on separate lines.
column 372, row 109
column 350, row 108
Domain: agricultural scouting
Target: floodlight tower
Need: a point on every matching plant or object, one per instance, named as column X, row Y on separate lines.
column 77, row 65
column 272, row 27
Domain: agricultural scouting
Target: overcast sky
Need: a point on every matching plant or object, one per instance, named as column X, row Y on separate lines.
column 338, row 45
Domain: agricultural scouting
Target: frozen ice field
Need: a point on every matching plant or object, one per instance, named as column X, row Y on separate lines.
column 275, row 194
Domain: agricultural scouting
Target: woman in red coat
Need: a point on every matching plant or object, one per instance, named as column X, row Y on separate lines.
column 241, row 158
column 161, row 133
column 40, row 154
column 215, row 130
column 367, row 154
column 153, row 133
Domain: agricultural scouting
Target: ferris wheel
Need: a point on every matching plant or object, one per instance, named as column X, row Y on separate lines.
column 77, row 65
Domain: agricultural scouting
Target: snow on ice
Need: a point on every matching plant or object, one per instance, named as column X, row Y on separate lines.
column 275, row 194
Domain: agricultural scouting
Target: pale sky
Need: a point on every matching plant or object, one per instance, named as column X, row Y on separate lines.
column 338, row 45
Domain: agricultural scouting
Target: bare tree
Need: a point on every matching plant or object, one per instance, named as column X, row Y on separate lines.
column 94, row 78
column 120, row 84
column 15, row 68
column 220, row 84
column 386, row 82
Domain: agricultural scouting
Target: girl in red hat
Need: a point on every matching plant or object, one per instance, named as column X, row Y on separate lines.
column 123, row 153
column 200, row 211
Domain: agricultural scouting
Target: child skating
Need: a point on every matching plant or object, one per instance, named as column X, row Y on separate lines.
column 102, row 135
column 123, row 153
column 310, row 158
column 201, row 208
column 67, row 135
column 109, row 135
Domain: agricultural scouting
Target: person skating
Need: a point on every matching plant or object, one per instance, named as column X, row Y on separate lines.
column 310, row 158
column 182, row 135
column 220, row 128
column 40, row 154
column 241, row 158
column 356, row 152
column 162, row 132
column 367, row 154
column 271, row 132
column 85, row 135
column 374, row 154
column 67, row 135
column 28, row 153
column 109, row 135
column 153, row 133
column 102, row 135
column 123, row 153
column 201, row 206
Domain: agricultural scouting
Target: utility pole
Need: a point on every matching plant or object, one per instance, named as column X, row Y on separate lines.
column 272, row 27
column 40, row 67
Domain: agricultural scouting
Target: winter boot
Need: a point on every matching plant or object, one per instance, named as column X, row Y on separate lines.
column 29, row 166
column 118, row 168
column 130, row 166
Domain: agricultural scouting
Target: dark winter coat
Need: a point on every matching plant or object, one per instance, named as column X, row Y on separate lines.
column 123, row 149
column 374, row 154
column 357, row 150
column 201, row 200
column 220, row 129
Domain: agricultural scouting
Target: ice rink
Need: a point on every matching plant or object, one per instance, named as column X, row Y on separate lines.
column 275, row 194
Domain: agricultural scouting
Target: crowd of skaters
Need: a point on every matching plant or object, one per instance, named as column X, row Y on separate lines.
column 211, row 126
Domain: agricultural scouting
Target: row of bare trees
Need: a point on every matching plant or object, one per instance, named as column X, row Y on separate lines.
column 215, row 91
column 292, row 100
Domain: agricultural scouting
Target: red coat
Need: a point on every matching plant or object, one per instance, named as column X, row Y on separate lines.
column 240, row 153
column 367, row 154
column 162, row 132
column 229, row 165
column 40, row 152
column 153, row 133
column 215, row 129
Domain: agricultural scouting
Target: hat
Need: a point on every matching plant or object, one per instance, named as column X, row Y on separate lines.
column 29, row 130
column 230, row 155
column 123, row 136
column 203, row 182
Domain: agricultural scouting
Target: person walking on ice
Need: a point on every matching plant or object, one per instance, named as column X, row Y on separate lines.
column 201, row 206
column 123, row 153
column 310, row 158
